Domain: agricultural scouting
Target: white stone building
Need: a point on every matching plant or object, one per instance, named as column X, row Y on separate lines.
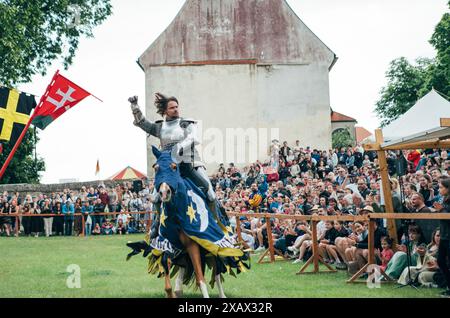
column 242, row 64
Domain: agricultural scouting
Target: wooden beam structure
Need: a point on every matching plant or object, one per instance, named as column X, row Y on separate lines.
column 371, row 259
column 445, row 122
column 429, row 144
column 387, row 193
column 436, row 143
column 315, row 258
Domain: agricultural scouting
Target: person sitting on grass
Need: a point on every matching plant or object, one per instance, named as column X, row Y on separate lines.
column 359, row 236
column 329, row 237
column 399, row 261
column 121, row 227
column 107, row 228
column 361, row 255
column 387, row 252
column 246, row 233
column 427, row 277
column 307, row 242
column 341, row 231
column 97, row 229
column 344, row 244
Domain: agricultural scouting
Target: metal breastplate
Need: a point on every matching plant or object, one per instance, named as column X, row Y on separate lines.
column 171, row 133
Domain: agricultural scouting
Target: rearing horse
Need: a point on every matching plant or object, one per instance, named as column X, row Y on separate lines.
column 189, row 236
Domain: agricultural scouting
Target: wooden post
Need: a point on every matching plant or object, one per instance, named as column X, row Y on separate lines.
column 238, row 227
column 270, row 239
column 270, row 250
column 83, row 225
column 315, row 246
column 315, row 258
column 371, row 257
column 371, row 241
column 17, row 225
column 389, row 207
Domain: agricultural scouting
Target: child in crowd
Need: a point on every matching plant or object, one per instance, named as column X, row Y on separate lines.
column 387, row 252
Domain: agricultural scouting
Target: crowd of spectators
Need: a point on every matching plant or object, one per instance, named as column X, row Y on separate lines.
column 307, row 181
column 105, row 211
column 338, row 182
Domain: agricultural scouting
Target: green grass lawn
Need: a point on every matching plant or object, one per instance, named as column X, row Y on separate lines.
column 36, row 267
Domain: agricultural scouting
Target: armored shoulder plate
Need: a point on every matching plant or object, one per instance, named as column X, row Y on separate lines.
column 184, row 122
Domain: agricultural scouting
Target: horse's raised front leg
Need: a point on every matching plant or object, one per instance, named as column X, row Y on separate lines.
column 179, row 283
column 193, row 250
column 167, row 285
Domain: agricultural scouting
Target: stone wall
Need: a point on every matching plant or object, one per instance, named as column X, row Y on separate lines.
column 33, row 189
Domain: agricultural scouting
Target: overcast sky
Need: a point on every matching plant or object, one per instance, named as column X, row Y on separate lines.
column 365, row 35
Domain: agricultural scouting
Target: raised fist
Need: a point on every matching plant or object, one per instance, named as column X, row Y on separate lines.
column 133, row 100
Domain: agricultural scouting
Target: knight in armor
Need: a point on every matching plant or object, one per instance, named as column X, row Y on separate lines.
column 179, row 135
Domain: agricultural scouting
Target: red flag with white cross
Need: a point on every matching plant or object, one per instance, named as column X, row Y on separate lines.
column 61, row 95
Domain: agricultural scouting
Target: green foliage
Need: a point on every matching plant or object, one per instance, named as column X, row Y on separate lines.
column 35, row 33
column 22, row 168
column 406, row 83
column 342, row 138
column 409, row 82
column 440, row 78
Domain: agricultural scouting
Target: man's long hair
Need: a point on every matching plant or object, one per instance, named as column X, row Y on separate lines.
column 162, row 101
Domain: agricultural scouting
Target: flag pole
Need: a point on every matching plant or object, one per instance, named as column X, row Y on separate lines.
column 24, row 131
column 13, row 151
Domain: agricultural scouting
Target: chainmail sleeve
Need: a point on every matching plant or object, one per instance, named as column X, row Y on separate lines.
column 143, row 123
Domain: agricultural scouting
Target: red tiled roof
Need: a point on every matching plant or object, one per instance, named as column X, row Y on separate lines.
column 362, row 133
column 335, row 117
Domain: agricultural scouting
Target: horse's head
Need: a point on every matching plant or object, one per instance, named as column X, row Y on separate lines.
column 167, row 174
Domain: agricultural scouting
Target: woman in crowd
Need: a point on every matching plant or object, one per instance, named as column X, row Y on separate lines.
column 345, row 245
column 341, row 232
column 86, row 210
column 426, row 189
column 78, row 223
column 37, row 222
column 426, row 277
column 26, row 219
column 5, row 219
column 48, row 220
column 58, row 219
column 399, row 261
column 444, row 243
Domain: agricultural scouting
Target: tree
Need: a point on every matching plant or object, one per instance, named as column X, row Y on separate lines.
column 23, row 168
column 342, row 138
column 404, row 88
column 35, row 33
column 440, row 78
column 409, row 82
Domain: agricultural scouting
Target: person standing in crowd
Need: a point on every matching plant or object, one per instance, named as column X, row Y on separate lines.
column 58, row 219
column 68, row 210
column 5, row 219
column 444, row 243
column 78, row 223
column 26, row 219
column 87, row 210
column 99, row 208
column 37, row 223
column 284, row 151
column 48, row 220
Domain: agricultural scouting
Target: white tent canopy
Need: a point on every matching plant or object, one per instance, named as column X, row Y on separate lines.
column 420, row 123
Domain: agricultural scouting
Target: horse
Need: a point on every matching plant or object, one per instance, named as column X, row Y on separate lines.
column 190, row 237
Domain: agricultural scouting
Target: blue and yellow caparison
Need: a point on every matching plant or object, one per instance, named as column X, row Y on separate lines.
column 188, row 211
